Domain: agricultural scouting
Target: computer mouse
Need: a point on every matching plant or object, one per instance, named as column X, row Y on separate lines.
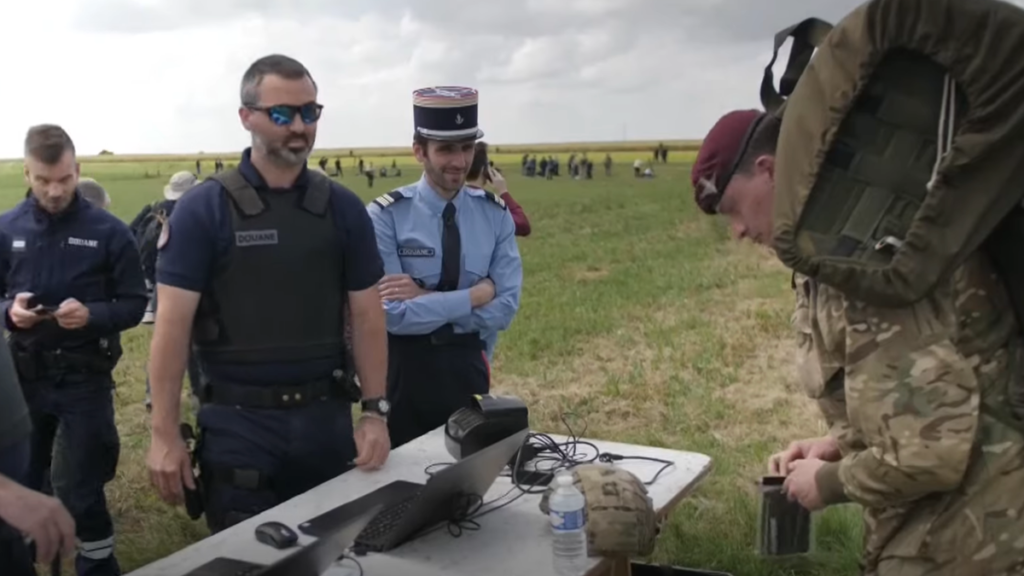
column 277, row 535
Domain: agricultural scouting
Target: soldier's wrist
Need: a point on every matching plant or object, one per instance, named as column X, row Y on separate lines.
column 830, row 486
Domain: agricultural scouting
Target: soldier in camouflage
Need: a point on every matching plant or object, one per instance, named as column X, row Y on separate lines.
column 925, row 426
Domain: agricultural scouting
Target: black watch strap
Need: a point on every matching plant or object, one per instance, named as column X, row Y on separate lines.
column 378, row 405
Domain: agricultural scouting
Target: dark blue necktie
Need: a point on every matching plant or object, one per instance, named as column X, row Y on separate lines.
column 451, row 251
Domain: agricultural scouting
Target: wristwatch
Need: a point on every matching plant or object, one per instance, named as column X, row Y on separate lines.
column 379, row 406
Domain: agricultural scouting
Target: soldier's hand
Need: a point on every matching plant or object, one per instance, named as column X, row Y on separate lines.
column 169, row 468
column 801, row 484
column 21, row 315
column 399, row 287
column 42, row 518
column 373, row 444
column 824, row 448
column 72, row 314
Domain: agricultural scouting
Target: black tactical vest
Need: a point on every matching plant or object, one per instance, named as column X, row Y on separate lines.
column 280, row 294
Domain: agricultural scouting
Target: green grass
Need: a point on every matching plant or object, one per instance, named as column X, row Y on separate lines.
column 638, row 314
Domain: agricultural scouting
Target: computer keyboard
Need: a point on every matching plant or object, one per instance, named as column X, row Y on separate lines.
column 383, row 523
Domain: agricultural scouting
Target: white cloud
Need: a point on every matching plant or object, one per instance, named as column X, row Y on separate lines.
column 162, row 75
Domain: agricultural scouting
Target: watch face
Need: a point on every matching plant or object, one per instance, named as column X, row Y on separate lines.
column 384, row 406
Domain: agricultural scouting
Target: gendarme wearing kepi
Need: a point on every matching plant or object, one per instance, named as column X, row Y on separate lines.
column 453, row 274
column 446, row 113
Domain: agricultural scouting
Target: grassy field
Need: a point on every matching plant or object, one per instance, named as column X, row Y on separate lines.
column 645, row 147
column 637, row 313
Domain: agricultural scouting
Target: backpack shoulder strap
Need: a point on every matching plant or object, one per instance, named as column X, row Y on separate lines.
column 807, row 35
column 241, row 192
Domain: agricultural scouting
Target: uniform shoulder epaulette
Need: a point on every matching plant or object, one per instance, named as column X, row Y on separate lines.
column 388, row 199
column 496, row 199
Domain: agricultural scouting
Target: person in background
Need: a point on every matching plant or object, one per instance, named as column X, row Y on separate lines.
column 94, row 193
column 482, row 173
column 147, row 226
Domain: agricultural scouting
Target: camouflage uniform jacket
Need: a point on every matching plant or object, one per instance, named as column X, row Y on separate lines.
column 917, row 398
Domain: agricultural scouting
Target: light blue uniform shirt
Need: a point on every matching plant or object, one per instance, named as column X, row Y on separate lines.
column 409, row 232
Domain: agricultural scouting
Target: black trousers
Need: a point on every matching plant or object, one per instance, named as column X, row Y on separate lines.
column 430, row 381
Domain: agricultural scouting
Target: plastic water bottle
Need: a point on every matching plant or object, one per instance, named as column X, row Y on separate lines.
column 569, row 536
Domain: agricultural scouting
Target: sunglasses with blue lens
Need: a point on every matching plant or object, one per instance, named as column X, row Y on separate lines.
column 284, row 114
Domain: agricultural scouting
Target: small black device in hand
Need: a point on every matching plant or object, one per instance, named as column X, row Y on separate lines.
column 785, row 527
column 276, row 535
column 193, row 498
column 33, row 303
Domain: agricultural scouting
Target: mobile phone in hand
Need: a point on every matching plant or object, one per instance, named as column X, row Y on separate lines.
column 34, row 305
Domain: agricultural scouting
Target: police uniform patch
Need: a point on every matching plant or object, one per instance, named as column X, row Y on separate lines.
column 165, row 235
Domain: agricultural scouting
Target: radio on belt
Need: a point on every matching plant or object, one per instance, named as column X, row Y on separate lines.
column 490, row 420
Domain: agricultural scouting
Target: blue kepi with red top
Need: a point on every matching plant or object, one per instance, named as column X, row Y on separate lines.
column 446, row 113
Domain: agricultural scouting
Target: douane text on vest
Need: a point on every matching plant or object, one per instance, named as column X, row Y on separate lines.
column 256, row 238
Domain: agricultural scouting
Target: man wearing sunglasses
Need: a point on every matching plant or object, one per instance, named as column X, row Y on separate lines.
column 908, row 393
column 454, row 275
column 260, row 266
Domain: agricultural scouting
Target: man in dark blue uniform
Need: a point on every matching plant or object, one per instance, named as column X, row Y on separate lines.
column 72, row 282
column 261, row 266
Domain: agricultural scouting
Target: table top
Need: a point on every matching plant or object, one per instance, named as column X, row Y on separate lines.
column 515, row 538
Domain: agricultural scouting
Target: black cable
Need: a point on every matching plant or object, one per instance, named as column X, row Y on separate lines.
column 353, row 559
column 428, row 470
column 465, row 506
column 609, row 458
column 549, row 457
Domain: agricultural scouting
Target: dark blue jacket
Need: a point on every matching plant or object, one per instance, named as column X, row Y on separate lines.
column 84, row 253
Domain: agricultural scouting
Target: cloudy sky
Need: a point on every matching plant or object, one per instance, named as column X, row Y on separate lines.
column 162, row 76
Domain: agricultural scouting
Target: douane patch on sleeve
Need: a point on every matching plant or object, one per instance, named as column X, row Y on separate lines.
column 165, row 235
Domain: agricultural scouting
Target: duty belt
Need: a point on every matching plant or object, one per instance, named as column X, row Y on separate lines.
column 34, row 364
column 443, row 336
column 277, row 397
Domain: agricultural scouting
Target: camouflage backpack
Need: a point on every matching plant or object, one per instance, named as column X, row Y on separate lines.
column 901, row 149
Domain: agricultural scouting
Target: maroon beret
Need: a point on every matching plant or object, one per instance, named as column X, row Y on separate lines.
column 721, row 150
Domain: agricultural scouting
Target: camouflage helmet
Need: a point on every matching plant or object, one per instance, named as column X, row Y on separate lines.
column 619, row 515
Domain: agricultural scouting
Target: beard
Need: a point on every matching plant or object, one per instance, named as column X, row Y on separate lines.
column 448, row 181
column 291, row 152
